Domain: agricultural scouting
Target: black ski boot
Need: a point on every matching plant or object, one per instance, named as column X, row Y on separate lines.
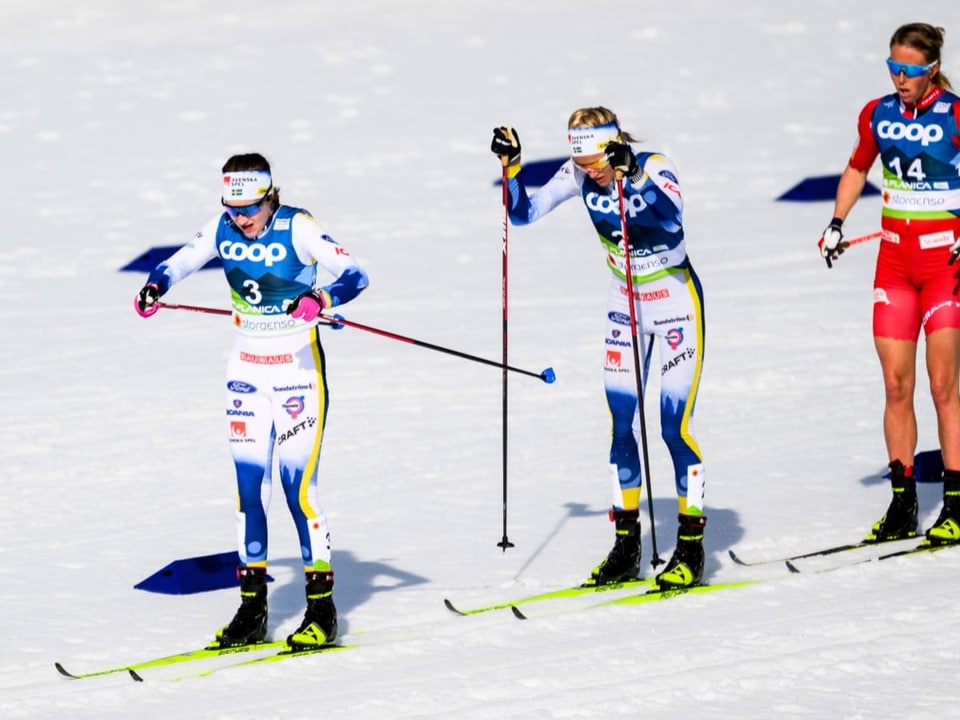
column 249, row 625
column 623, row 561
column 900, row 520
column 319, row 626
column 946, row 530
column 685, row 568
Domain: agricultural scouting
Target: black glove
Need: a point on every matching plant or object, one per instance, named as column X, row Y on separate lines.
column 954, row 252
column 146, row 301
column 506, row 143
column 621, row 157
column 831, row 242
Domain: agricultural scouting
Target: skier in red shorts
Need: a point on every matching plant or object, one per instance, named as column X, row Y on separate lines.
column 914, row 132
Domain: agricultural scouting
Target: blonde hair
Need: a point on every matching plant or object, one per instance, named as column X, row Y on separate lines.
column 595, row 117
column 927, row 39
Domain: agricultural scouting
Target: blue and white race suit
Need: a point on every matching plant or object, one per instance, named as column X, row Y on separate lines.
column 668, row 305
column 276, row 386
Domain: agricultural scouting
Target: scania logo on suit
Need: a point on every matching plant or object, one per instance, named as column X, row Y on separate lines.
column 254, row 252
column 913, row 132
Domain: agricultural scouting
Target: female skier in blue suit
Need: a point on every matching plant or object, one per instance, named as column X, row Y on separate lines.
column 669, row 307
column 276, row 386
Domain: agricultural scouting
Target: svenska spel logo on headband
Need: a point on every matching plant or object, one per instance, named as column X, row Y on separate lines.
column 246, row 185
column 588, row 141
column 240, row 179
column 575, row 147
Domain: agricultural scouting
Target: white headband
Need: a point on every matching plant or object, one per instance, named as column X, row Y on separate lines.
column 246, row 185
column 592, row 140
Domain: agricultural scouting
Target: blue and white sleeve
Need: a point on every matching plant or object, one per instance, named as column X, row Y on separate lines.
column 311, row 241
column 524, row 208
column 188, row 259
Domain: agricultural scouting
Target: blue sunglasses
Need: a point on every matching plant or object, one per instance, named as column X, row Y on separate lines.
column 247, row 210
column 911, row 71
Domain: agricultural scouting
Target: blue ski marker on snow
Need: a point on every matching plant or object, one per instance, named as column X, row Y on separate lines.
column 195, row 575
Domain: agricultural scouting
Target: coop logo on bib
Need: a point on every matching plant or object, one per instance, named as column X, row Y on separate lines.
column 913, row 132
column 633, row 204
column 254, row 252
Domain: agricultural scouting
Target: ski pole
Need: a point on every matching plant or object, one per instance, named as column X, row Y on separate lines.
column 844, row 244
column 862, row 239
column 504, row 161
column 547, row 375
column 655, row 560
column 195, row 308
column 216, row 311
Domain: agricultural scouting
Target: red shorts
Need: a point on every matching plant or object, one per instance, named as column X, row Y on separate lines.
column 914, row 284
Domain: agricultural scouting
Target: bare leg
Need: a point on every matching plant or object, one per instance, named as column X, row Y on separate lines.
column 898, row 361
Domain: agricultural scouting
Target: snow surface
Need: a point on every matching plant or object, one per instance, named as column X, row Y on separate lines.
column 116, row 117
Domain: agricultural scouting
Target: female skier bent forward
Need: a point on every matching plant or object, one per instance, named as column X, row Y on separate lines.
column 669, row 308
